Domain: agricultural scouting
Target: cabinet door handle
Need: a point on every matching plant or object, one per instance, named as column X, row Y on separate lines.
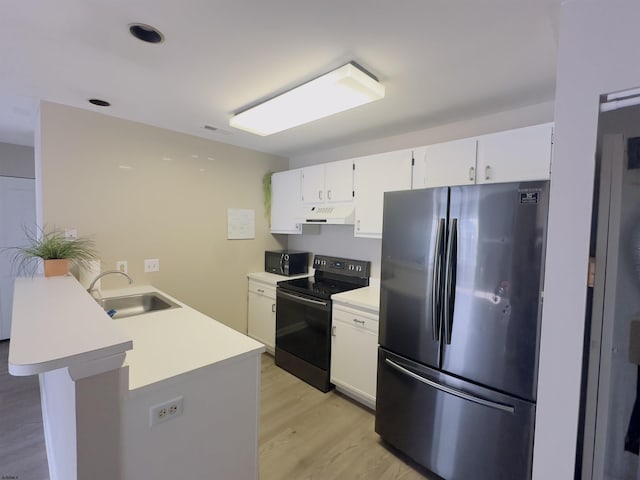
column 328, row 194
column 358, row 225
column 361, row 322
column 333, row 331
column 260, row 290
column 487, row 172
column 472, row 173
column 319, row 194
column 273, row 307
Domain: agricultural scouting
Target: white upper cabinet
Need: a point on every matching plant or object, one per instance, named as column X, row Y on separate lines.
column 285, row 201
column 374, row 175
column 312, row 190
column 515, row 155
column 511, row 156
column 327, row 183
column 449, row 163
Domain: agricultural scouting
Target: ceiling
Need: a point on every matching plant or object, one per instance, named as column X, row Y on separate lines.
column 440, row 61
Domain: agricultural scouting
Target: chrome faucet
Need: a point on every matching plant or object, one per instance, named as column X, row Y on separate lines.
column 106, row 272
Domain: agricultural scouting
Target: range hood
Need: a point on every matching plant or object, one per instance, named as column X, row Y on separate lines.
column 327, row 215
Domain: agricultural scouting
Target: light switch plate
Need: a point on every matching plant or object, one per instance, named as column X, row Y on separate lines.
column 71, row 234
column 152, row 265
column 122, row 266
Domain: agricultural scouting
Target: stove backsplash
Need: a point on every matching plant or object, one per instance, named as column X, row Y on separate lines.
column 338, row 240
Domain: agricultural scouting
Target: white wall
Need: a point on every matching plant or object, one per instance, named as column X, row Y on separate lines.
column 144, row 192
column 598, row 45
column 16, row 161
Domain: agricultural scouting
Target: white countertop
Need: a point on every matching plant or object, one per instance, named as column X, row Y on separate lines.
column 365, row 297
column 171, row 342
column 273, row 279
column 57, row 324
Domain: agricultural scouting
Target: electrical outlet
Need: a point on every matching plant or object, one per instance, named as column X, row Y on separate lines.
column 152, row 265
column 71, row 234
column 165, row 411
column 122, row 266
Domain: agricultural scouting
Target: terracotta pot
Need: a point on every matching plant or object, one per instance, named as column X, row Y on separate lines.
column 56, row 268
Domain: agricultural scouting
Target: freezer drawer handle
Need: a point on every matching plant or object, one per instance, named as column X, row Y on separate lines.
column 451, row 391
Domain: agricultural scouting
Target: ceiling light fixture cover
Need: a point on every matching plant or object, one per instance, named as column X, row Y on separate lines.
column 339, row 90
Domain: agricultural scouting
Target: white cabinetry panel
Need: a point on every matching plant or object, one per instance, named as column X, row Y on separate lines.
column 338, row 177
column 515, row 155
column 374, row 175
column 262, row 313
column 285, row 201
column 354, row 353
column 449, row 163
column 327, row 183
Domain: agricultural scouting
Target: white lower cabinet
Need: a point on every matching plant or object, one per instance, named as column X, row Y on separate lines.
column 354, row 353
column 262, row 313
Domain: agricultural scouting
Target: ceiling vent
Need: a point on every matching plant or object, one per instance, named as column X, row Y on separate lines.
column 211, row 128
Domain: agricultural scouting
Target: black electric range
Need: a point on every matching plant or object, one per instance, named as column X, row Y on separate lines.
column 303, row 317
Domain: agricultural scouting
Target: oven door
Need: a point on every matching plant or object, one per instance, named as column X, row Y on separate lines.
column 303, row 327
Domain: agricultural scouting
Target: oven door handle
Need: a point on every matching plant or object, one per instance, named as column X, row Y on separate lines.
column 301, row 299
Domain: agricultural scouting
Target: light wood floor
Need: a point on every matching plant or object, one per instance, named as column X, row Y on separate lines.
column 307, row 434
column 304, row 434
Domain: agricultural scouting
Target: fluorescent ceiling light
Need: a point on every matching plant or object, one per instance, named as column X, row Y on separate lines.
column 333, row 92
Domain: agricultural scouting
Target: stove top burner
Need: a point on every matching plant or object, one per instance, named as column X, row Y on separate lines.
column 332, row 275
column 322, row 288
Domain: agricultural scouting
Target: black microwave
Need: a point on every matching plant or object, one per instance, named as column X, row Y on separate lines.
column 286, row 262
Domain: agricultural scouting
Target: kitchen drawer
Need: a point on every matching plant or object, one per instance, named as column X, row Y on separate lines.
column 357, row 318
column 262, row 289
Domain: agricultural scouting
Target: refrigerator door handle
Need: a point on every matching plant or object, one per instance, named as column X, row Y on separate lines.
column 450, row 280
column 435, row 282
column 451, row 391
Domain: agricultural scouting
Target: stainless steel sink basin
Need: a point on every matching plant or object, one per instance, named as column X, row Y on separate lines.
column 136, row 304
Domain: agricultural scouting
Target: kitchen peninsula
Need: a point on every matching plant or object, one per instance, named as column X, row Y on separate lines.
column 105, row 382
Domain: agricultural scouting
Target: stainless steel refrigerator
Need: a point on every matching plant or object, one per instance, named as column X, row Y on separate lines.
column 460, row 307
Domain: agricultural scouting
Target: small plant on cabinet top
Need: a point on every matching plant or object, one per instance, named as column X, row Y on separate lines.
column 266, row 189
column 55, row 250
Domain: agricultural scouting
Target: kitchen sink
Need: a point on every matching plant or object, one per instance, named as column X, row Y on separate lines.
column 136, row 304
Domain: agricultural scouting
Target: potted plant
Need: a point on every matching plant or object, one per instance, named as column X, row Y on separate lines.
column 266, row 189
column 55, row 250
